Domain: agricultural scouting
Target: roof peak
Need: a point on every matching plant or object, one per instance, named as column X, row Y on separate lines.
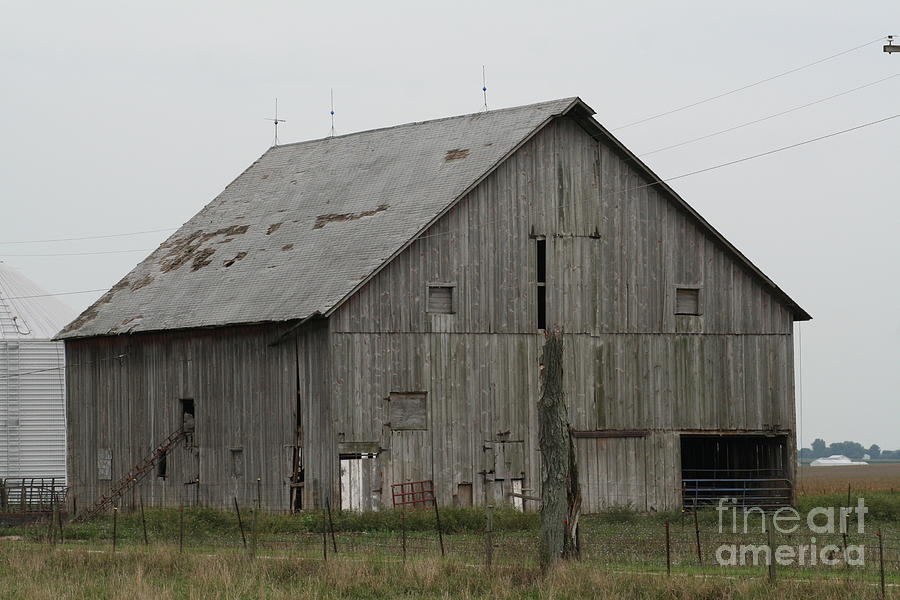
column 568, row 100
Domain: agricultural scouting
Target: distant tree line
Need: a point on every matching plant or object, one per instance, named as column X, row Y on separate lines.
column 853, row 450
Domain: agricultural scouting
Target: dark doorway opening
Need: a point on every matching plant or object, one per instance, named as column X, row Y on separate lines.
column 187, row 414
column 750, row 469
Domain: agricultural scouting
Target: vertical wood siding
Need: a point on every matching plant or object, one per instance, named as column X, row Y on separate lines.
column 614, row 261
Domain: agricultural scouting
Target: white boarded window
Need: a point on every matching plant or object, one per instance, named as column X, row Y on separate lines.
column 440, row 298
column 409, row 411
column 687, row 301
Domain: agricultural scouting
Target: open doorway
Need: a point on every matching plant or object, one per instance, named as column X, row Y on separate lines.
column 751, row 469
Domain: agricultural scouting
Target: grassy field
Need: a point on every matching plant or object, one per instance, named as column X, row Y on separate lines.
column 38, row 573
column 624, row 555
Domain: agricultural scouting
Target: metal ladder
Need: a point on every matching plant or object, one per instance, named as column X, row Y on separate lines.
column 9, row 391
column 137, row 472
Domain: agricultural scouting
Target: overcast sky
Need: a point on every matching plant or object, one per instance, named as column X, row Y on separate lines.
column 123, row 116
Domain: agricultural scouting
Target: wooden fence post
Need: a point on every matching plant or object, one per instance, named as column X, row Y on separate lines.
column 115, row 523
column 331, row 525
column 770, row 541
column 489, row 536
column 668, row 551
column 697, row 536
column 143, row 518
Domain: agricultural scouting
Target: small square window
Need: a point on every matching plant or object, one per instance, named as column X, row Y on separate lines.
column 687, row 301
column 409, row 411
column 440, row 298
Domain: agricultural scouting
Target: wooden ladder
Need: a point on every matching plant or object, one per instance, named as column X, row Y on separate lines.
column 137, row 472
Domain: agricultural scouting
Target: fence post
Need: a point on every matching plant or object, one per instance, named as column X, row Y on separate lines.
column 258, row 493
column 237, row 510
column 437, row 519
column 331, row 525
column 58, row 518
column 115, row 532
column 181, row 528
column 881, row 561
column 403, row 532
column 770, row 541
column 254, row 545
column 697, row 536
column 143, row 518
column 668, row 551
column 324, row 536
column 489, row 536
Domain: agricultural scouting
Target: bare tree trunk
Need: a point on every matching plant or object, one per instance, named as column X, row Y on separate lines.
column 560, row 495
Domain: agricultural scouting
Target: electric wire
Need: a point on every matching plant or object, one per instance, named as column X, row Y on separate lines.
column 88, row 237
column 747, row 86
column 760, row 120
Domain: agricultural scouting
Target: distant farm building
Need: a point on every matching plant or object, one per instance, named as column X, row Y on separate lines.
column 835, row 460
column 32, row 381
column 367, row 310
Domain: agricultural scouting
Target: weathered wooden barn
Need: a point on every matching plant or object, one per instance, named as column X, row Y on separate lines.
column 361, row 310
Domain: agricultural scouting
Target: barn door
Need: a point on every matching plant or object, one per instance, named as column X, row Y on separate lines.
column 410, row 438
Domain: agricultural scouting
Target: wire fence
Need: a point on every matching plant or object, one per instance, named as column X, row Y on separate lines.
column 694, row 542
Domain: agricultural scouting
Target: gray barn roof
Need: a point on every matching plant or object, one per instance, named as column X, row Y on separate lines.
column 306, row 224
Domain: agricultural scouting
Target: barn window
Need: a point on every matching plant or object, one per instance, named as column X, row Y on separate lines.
column 440, row 298
column 104, row 464
column 162, row 466
column 237, row 462
column 409, row 411
column 687, row 301
column 541, row 269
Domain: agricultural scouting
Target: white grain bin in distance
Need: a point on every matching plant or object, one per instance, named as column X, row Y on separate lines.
column 32, row 380
column 835, row 460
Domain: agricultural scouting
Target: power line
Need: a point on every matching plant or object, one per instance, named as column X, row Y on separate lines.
column 54, row 294
column 747, row 86
column 760, row 120
column 781, row 149
column 81, row 253
column 89, row 237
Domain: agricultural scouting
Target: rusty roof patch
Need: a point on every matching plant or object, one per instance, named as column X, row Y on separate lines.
column 145, row 280
column 237, row 257
column 323, row 220
column 202, row 259
column 182, row 250
column 91, row 313
column 456, row 154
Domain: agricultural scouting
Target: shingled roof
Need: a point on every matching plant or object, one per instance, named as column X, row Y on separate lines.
column 307, row 223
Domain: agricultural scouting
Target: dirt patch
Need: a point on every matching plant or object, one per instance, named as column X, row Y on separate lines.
column 456, row 154
column 273, row 228
column 323, row 220
column 287, row 247
column 231, row 261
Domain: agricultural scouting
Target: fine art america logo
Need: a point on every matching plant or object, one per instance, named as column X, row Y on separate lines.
column 788, row 522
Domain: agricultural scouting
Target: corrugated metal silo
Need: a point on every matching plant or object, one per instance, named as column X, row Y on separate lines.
column 32, row 380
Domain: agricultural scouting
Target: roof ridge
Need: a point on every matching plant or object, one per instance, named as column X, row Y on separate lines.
column 568, row 99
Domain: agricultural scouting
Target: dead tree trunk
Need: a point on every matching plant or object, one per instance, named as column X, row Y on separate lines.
column 560, row 495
